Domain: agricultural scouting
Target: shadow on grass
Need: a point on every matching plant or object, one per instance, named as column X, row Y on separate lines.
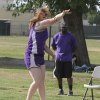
column 14, row 63
column 12, row 67
column 11, row 63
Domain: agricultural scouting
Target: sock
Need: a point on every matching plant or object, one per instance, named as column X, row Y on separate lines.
column 70, row 87
column 60, row 83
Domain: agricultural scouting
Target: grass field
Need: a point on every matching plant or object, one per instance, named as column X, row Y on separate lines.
column 14, row 47
column 93, row 47
column 15, row 80
column 14, row 83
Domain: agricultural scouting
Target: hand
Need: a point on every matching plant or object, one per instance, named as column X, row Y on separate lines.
column 67, row 11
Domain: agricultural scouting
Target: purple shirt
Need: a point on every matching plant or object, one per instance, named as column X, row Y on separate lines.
column 36, row 41
column 64, row 45
column 34, row 55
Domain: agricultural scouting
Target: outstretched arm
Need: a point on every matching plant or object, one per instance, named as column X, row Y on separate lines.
column 47, row 22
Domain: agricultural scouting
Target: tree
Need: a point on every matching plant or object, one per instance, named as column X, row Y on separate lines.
column 97, row 19
column 91, row 16
column 74, row 20
column 94, row 18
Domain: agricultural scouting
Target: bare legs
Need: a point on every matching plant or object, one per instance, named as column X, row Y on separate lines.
column 41, row 88
column 38, row 76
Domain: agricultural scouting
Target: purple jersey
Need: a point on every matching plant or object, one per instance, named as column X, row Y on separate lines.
column 64, row 46
column 35, row 48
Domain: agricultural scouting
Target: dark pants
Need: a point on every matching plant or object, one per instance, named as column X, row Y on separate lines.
column 64, row 70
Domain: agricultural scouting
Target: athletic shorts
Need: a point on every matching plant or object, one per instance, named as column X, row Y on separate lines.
column 63, row 69
column 33, row 60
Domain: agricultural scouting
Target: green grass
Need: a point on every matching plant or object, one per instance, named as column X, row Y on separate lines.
column 93, row 47
column 14, row 83
column 93, row 43
column 14, row 47
column 15, row 80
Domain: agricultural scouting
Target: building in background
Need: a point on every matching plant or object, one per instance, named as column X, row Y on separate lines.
column 10, row 25
column 19, row 24
column 4, row 3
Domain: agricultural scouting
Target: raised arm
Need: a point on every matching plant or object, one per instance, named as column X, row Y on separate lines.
column 47, row 22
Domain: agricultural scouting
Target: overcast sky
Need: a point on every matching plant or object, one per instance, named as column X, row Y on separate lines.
column 3, row 3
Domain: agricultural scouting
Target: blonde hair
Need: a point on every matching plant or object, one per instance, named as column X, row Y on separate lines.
column 35, row 18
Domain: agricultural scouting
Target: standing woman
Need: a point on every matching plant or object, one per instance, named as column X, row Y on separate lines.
column 34, row 55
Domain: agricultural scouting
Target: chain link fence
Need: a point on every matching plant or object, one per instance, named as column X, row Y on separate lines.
column 22, row 29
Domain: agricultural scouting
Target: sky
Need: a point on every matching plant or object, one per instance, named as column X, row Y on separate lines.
column 98, row 8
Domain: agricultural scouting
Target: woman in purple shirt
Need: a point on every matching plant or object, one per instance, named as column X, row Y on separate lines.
column 34, row 55
column 64, row 45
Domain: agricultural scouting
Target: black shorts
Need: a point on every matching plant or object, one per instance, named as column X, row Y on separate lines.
column 63, row 69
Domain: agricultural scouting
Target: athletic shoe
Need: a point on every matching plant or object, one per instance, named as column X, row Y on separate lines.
column 70, row 93
column 60, row 92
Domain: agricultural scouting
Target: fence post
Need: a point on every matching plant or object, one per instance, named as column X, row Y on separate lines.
column 49, row 40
